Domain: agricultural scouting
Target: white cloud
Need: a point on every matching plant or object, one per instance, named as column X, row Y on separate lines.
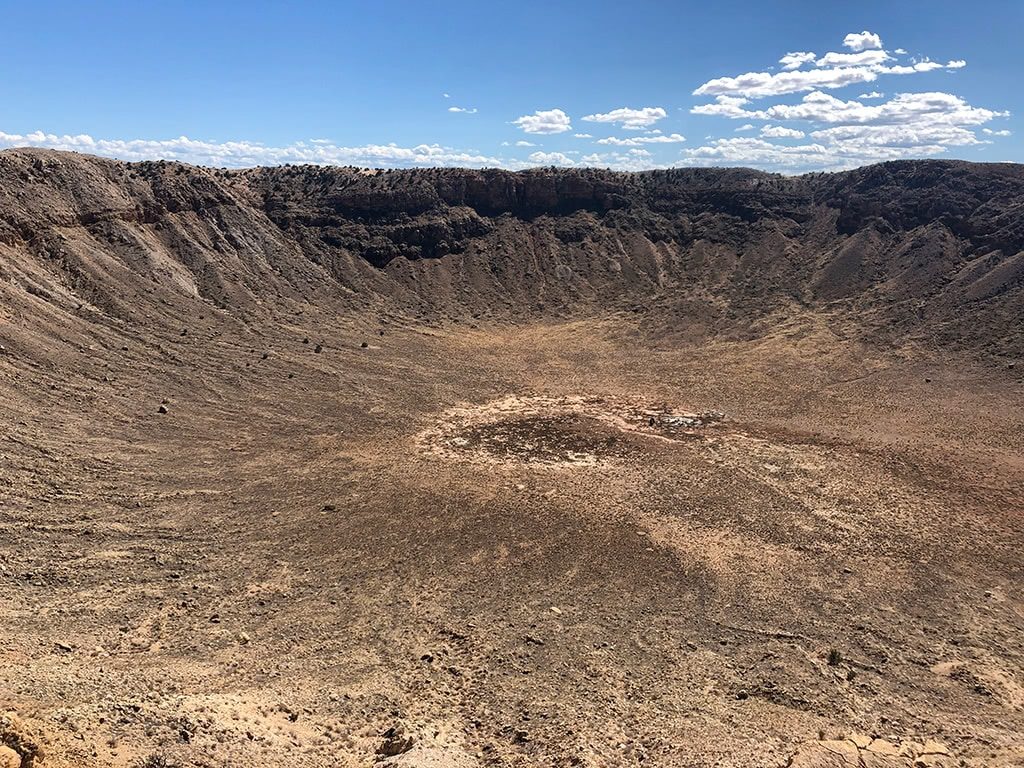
column 633, row 141
column 990, row 132
column 582, row 136
column 833, row 70
column 630, row 119
column 909, row 125
column 545, row 121
column 780, row 132
column 758, row 84
column 914, row 136
column 862, row 59
column 820, row 107
column 903, row 69
column 522, row 143
column 463, row 109
column 838, row 133
column 633, row 160
column 724, row 106
column 862, row 41
column 246, row 153
column 900, row 52
column 935, row 107
column 447, row 96
column 796, row 59
column 550, row 158
column 750, row 151
column 817, row 155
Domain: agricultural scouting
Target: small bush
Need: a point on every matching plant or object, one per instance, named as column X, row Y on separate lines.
column 157, row 760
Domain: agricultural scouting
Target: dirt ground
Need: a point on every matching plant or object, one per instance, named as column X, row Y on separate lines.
column 558, row 544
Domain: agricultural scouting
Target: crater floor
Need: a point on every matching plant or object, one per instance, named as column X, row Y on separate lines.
column 558, row 544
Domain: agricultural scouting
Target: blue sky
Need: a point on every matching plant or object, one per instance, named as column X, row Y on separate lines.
column 785, row 86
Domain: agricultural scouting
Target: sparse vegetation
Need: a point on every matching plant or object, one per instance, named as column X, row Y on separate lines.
column 157, row 760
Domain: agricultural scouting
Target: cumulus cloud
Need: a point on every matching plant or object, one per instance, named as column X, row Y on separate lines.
column 582, row 136
column 724, row 106
column 859, row 41
column 544, row 121
column 934, row 118
column 752, row 151
column 793, row 158
column 932, row 138
column 862, row 59
column 990, row 132
column 832, row 132
column 832, row 70
column 634, row 141
column 238, row 154
column 781, row 132
column 630, row 119
column 759, row 84
column 463, row 109
column 934, row 107
column 522, row 143
column 632, row 160
column 550, row 158
column 796, row 59
column 842, row 132
column 853, row 133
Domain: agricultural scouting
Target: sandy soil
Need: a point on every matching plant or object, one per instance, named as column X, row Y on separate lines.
column 559, row 544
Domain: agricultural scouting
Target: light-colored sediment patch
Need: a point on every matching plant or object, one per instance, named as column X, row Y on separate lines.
column 564, row 431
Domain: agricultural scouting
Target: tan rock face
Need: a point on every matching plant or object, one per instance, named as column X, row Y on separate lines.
column 9, row 758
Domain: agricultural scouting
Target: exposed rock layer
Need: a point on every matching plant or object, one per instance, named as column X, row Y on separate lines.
column 918, row 251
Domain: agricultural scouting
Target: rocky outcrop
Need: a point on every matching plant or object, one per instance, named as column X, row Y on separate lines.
column 922, row 252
